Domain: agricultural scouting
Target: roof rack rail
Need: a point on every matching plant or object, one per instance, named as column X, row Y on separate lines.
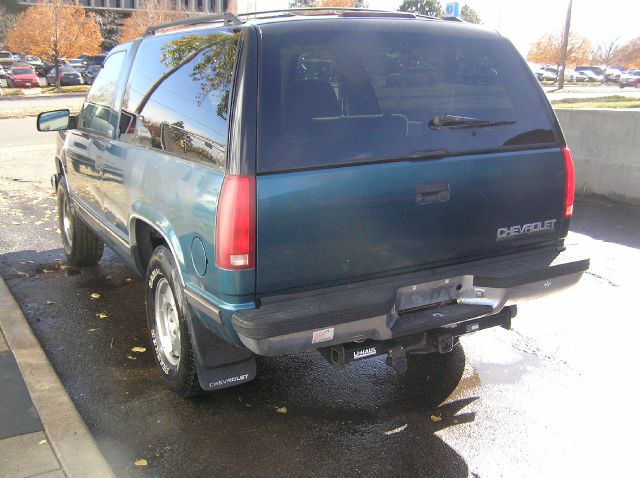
column 226, row 18
column 285, row 11
column 368, row 13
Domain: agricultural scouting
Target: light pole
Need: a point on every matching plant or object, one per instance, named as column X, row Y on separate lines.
column 565, row 45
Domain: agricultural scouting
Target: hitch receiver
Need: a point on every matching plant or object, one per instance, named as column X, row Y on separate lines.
column 397, row 359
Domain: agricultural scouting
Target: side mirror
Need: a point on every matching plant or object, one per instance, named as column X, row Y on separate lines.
column 58, row 120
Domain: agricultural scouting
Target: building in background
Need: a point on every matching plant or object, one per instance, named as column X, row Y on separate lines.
column 205, row 6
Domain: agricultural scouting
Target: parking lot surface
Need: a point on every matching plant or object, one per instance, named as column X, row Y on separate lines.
column 554, row 396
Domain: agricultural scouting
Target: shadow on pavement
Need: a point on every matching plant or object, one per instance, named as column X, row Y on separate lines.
column 365, row 420
column 607, row 221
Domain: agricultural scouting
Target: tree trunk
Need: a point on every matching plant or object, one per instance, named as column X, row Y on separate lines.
column 57, row 70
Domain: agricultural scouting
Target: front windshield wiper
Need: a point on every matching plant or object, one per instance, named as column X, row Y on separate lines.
column 459, row 122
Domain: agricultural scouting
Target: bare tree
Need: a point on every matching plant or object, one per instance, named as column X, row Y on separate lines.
column 7, row 22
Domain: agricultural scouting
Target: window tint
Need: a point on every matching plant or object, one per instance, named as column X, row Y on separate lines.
column 97, row 114
column 336, row 96
column 178, row 94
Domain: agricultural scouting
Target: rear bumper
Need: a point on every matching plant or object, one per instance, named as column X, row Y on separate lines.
column 410, row 304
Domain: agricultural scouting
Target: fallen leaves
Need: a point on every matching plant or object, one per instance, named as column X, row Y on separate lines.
column 140, row 462
column 139, row 349
column 131, row 357
column 42, row 442
column 102, row 315
column 51, row 302
column 95, row 295
column 282, row 410
column 396, row 430
column 435, row 418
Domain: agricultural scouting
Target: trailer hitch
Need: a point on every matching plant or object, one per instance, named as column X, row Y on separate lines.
column 340, row 355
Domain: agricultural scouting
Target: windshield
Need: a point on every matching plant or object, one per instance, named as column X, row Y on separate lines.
column 6, row 55
column 21, row 71
column 335, row 96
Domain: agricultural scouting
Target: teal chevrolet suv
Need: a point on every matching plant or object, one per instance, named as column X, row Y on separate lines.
column 356, row 182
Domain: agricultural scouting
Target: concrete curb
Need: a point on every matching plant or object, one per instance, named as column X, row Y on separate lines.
column 68, row 435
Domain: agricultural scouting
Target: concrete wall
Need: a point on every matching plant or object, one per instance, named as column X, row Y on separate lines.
column 605, row 146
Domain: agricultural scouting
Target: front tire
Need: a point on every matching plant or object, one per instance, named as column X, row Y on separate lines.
column 81, row 246
column 167, row 319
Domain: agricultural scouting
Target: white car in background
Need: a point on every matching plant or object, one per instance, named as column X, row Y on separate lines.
column 630, row 78
column 573, row 75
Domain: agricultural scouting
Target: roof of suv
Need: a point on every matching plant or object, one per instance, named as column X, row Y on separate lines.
column 262, row 19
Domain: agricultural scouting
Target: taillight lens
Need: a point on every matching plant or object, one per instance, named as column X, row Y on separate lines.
column 236, row 224
column 569, row 184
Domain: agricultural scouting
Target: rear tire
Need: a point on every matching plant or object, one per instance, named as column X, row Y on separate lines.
column 168, row 322
column 81, row 246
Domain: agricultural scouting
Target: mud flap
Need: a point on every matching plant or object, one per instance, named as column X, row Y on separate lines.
column 219, row 363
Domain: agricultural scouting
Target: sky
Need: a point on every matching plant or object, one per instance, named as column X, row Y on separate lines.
column 523, row 21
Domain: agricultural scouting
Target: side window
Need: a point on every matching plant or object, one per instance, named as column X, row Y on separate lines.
column 97, row 114
column 181, row 104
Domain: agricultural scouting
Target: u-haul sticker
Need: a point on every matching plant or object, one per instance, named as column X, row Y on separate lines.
column 322, row 335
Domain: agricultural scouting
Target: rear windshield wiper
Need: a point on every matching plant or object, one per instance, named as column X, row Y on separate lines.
column 459, row 122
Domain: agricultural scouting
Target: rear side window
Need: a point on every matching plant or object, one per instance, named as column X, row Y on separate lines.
column 177, row 99
column 97, row 113
column 367, row 93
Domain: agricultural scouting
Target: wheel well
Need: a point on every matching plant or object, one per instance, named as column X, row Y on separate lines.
column 147, row 239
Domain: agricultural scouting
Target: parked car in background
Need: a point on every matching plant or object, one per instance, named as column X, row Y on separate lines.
column 573, row 75
column 630, row 78
column 96, row 60
column 6, row 58
column 38, row 65
column 547, row 73
column 90, row 73
column 3, row 73
column 67, row 74
column 594, row 73
column 78, row 63
column 22, row 76
column 612, row 74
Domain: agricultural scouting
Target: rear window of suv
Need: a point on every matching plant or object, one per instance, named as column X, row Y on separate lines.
column 370, row 91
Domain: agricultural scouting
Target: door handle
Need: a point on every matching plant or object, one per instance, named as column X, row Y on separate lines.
column 427, row 193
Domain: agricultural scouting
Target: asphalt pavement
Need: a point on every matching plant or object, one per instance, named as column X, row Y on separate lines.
column 554, row 396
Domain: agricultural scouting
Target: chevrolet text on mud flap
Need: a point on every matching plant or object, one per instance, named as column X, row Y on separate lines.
column 226, row 381
column 506, row 233
column 279, row 215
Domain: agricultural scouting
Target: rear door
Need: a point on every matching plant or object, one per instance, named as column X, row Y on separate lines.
column 361, row 176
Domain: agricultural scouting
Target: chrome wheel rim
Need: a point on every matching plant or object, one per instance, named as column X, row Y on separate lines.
column 167, row 324
column 67, row 221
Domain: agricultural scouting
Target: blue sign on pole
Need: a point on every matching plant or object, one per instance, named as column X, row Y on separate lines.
column 452, row 9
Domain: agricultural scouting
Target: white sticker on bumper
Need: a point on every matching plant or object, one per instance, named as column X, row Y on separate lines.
column 322, row 335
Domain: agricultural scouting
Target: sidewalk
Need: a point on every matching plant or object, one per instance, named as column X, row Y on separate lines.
column 41, row 432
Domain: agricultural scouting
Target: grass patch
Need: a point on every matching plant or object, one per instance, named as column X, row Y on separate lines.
column 48, row 90
column 614, row 101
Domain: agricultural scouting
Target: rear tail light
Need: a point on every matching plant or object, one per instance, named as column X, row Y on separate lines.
column 236, row 224
column 569, row 183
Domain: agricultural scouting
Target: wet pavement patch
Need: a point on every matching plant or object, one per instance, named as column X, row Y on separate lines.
column 17, row 413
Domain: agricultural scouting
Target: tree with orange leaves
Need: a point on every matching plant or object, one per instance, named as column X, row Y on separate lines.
column 547, row 49
column 154, row 12
column 53, row 30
